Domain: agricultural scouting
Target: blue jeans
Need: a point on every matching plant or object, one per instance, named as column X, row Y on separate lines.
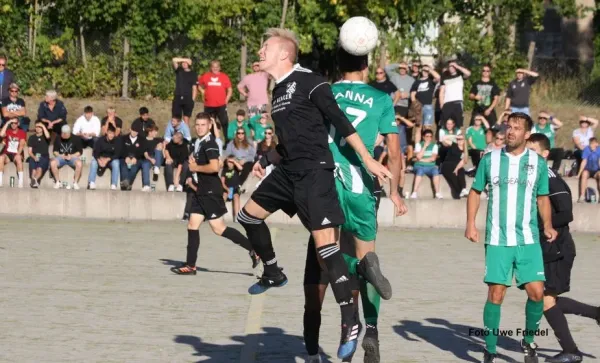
column 430, row 171
column 427, row 115
column 113, row 165
column 62, row 162
column 130, row 173
column 525, row 110
column 158, row 156
column 402, row 135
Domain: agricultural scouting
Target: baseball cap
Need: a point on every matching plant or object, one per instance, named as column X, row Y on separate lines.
column 65, row 129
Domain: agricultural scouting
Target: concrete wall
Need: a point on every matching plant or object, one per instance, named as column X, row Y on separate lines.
column 134, row 205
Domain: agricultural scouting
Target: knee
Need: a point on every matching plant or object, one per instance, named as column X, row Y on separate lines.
column 536, row 295
column 247, row 220
column 218, row 228
column 78, row 164
column 53, row 163
column 496, row 297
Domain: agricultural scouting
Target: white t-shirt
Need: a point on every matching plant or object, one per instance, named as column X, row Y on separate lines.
column 584, row 136
column 453, row 86
column 84, row 126
column 444, row 133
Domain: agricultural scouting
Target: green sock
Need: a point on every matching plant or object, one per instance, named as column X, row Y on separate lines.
column 370, row 301
column 352, row 262
column 491, row 322
column 533, row 314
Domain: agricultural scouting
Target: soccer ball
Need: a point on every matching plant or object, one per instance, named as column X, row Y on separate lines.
column 359, row 35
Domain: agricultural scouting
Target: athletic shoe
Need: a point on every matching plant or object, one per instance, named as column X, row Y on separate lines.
column 314, row 359
column 266, row 282
column 32, row 183
column 563, row 357
column 179, row 188
column 370, row 345
column 186, row 217
column 255, row 259
column 75, row 186
column 349, row 340
column 439, row 196
column 20, row 184
column 92, row 186
column 171, row 188
column 464, row 193
column 156, row 173
column 184, row 270
column 113, row 187
column 146, row 188
column 413, row 195
column 57, row 185
column 489, row 357
column 369, row 269
column 124, row 184
column 529, row 349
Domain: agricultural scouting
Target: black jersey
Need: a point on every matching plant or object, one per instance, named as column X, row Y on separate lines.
column 302, row 100
column 205, row 150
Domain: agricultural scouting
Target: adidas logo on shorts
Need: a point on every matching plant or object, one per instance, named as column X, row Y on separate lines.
column 341, row 279
column 325, row 221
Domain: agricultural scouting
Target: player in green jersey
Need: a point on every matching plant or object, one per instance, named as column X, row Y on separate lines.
column 372, row 114
column 517, row 179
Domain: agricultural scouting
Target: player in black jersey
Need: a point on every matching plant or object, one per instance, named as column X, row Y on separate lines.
column 558, row 262
column 207, row 202
column 303, row 182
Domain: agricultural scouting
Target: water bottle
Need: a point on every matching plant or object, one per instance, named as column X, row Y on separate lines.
column 153, row 187
column 12, row 181
column 593, row 199
column 83, row 159
column 230, row 195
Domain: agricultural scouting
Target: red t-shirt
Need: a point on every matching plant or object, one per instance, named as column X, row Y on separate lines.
column 12, row 140
column 215, row 88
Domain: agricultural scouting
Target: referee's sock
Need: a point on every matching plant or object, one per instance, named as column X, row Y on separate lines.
column 340, row 281
column 236, row 237
column 192, row 247
column 570, row 306
column 558, row 322
column 533, row 314
column 260, row 238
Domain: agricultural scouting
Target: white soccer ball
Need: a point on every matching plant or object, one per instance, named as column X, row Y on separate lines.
column 359, row 35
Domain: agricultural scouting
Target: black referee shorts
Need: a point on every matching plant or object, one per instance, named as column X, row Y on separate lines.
column 182, row 106
column 559, row 257
column 310, row 193
column 210, row 206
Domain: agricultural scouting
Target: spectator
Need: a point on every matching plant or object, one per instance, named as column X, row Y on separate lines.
column 447, row 137
column 215, row 86
column 239, row 122
column 476, row 139
column 87, row 127
column 6, row 78
column 14, row 106
column 111, row 118
column 383, row 84
column 548, row 125
column 486, row 94
column 589, row 168
column 501, row 127
column 453, row 168
column 39, row 157
column 176, row 162
column 53, row 113
column 230, row 178
column 13, row 152
column 422, row 92
column 176, row 126
column 582, row 135
column 144, row 121
column 519, row 90
column 186, row 90
column 106, row 155
column 243, row 151
column 451, row 93
column 217, row 131
column 403, row 83
column 133, row 147
column 267, row 144
column 415, row 69
column 259, row 126
column 254, row 88
column 426, row 153
column 67, row 151
column 154, row 150
column 499, row 141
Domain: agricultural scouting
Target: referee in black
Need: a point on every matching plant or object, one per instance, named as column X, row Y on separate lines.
column 558, row 262
column 303, row 181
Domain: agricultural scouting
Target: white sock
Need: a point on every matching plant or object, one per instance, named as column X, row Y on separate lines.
column 1, row 175
column 20, row 176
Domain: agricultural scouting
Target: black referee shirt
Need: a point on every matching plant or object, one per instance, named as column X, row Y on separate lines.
column 301, row 102
column 205, row 150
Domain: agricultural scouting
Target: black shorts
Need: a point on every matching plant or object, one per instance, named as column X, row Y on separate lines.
column 11, row 157
column 452, row 110
column 182, row 105
column 310, row 193
column 315, row 275
column 401, row 110
column 558, row 262
column 210, row 206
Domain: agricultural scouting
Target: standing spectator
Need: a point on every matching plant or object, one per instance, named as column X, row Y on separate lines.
column 422, row 92
column 13, row 152
column 453, row 169
column 133, row 147
column 215, row 86
column 589, row 168
column 476, row 139
column 176, row 125
column 53, row 113
column 582, row 135
column 426, row 153
column 154, row 150
column 415, row 68
column 217, row 131
column 486, row 94
column 144, row 121
column 87, row 127
column 398, row 75
column 106, row 155
column 259, row 126
column 177, row 153
column 519, row 90
column 267, row 144
column 6, row 78
column 254, row 88
column 111, row 118
column 243, row 151
column 451, row 93
column 67, row 151
column 186, row 90
column 39, row 157
column 239, row 122
column 230, row 178
column 383, row 84
column 548, row 125
column 14, row 106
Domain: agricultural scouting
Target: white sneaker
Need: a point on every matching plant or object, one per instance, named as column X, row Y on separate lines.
column 92, row 186
column 20, row 185
column 171, row 188
column 413, row 195
column 75, row 186
column 179, row 188
column 314, row 359
column 146, row 188
column 464, row 193
column 156, row 170
column 113, row 187
column 57, row 185
column 68, row 187
column 439, row 196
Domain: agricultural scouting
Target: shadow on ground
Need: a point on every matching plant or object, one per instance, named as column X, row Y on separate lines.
column 176, row 263
column 271, row 346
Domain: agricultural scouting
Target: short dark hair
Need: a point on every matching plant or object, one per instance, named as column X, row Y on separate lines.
column 144, row 110
column 522, row 116
column 427, row 132
column 541, row 140
column 151, row 127
column 487, row 65
column 240, row 112
column 593, row 139
column 203, row 116
column 3, row 56
column 351, row 63
column 88, row 109
column 111, row 128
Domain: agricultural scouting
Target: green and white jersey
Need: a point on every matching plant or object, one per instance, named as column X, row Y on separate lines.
column 547, row 130
column 514, row 183
column 371, row 112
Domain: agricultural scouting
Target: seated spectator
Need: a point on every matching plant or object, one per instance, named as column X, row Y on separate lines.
column 266, row 145
column 14, row 139
column 144, row 120
column 475, row 137
column 498, row 143
column 154, row 149
column 243, row 151
column 39, row 157
column 582, row 136
column 177, row 153
column 240, row 122
column 13, row 106
column 111, row 118
column 53, row 113
column 548, row 125
column 500, row 127
column 453, row 168
column 230, row 178
column 106, row 155
column 426, row 153
column 67, row 151
column 259, row 126
column 174, row 126
column 133, row 147
column 589, row 168
column 447, row 137
column 87, row 127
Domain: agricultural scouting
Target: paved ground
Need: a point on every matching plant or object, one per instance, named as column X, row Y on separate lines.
column 86, row 291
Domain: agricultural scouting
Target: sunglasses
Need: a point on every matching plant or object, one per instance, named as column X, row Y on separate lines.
column 14, row 90
column 379, row 73
column 241, row 133
column 542, row 118
column 486, row 71
column 2, row 64
column 268, row 133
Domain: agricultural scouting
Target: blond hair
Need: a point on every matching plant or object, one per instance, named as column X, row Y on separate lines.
column 288, row 37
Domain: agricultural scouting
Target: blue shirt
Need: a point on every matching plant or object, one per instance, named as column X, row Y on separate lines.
column 183, row 127
column 592, row 157
column 1, row 78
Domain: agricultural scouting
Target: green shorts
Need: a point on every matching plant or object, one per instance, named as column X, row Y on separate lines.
column 523, row 262
column 360, row 212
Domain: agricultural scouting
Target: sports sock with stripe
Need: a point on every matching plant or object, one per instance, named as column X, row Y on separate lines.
column 339, row 280
column 534, row 310
column 260, row 238
column 491, row 322
column 371, row 302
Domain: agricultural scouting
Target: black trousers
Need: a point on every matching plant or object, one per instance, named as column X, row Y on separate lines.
column 245, row 172
column 456, row 182
column 475, row 156
column 170, row 171
column 556, row 155
column 220, row 113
